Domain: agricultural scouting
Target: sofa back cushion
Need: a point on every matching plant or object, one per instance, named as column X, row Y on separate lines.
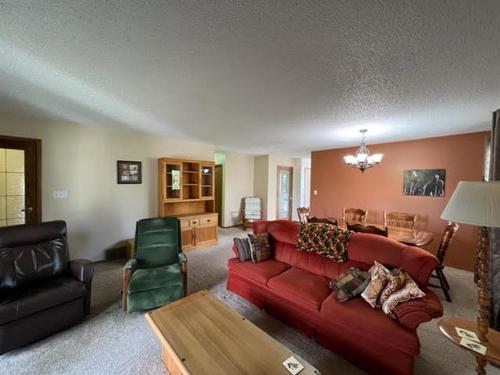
column 23, row 265
column 284, row 234
column 30, row 253
column 368, row 248
column 157, row 242
column 363, row 250
column 284, row 238
column 30, row 234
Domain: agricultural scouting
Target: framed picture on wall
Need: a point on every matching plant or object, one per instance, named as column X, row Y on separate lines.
column 129, row 172
column 424, row 182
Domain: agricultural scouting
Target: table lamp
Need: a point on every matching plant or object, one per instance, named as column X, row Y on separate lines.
column 477, row 203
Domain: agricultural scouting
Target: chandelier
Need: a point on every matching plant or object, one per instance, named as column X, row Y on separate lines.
column 363, row 160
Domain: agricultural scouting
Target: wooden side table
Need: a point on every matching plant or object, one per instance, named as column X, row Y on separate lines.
column 447, row 327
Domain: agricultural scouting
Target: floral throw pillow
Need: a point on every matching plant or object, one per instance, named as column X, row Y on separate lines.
column 397, row 280
column 260, row 247
column 324, row 239
column 408, row 292
column 379, row 278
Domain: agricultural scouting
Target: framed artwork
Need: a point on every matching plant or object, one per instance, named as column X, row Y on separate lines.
column 129, row 172
column 424, row 182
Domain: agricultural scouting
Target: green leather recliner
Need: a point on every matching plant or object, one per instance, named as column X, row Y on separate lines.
column 157, row 273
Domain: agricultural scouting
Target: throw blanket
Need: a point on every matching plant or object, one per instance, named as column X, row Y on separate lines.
column 324, row 239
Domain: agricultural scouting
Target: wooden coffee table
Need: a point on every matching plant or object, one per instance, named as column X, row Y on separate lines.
column 201, row 335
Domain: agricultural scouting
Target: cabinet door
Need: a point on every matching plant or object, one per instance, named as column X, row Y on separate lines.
column 206, row 234
column 187, row 238
column 207, row 181
column 173, row 181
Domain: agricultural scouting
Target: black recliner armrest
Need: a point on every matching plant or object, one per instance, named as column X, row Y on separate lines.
column 83, row 270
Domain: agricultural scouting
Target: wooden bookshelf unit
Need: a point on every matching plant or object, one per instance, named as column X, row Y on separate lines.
column 186, row 190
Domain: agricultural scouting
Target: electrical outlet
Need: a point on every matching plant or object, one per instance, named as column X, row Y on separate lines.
column 315, row 192
column 60, row 194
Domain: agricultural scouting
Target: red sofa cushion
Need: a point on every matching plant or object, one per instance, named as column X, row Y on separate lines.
column 366, row 248
column 358, row 316
column 260, row 272
column 324, row 266
column 302, row 287
column 284, row 252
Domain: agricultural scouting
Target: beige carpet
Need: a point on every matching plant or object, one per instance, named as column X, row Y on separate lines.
column 112, row 342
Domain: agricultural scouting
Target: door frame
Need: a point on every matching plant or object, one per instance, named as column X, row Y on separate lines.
column 306, row 195
column 290, row 192
column 36, row 145
column 221, row 195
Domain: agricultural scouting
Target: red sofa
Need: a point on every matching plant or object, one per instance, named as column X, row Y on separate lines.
column 294, row 287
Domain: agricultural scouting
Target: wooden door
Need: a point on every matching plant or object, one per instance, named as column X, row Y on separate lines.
column 20, row 181
column 218, row 191
column 284, row 189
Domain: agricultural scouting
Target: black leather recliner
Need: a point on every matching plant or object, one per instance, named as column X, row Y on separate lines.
column 41, row 290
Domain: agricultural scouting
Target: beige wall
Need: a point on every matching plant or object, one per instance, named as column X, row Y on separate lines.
column 238, row 183
column 265, row 180
column 260, row 180
column 82, row 161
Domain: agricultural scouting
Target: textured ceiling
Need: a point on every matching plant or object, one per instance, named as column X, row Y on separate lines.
column 256, row 76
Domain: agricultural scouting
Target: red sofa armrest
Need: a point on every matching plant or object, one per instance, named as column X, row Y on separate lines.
column 412, row 313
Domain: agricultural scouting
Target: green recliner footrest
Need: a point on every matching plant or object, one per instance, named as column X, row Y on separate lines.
column 154, row 298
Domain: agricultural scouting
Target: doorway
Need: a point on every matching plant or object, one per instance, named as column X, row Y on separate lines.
column 20, row 181
column 306, row 197
column 284, row 189
column 219, row 180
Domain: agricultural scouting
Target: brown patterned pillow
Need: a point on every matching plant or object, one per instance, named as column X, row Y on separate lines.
column 260, row 247
column 397, row 280
column 408, row 292
column 379, row 278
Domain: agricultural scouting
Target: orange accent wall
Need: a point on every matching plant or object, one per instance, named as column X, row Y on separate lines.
column 381, row 187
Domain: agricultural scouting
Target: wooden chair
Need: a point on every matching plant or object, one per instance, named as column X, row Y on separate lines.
column 323, row 220
column 304, row 214
column 368, row 229
column 251, row 210
column 449, row 233
column 354, row 216
column 399, row 220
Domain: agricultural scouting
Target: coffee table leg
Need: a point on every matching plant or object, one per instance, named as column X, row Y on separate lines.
column 170, row 362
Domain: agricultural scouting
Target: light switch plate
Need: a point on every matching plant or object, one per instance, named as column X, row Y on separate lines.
column 60, row 194
column 315, row 192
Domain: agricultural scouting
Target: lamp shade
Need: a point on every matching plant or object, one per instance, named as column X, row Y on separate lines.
column 476, row 203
